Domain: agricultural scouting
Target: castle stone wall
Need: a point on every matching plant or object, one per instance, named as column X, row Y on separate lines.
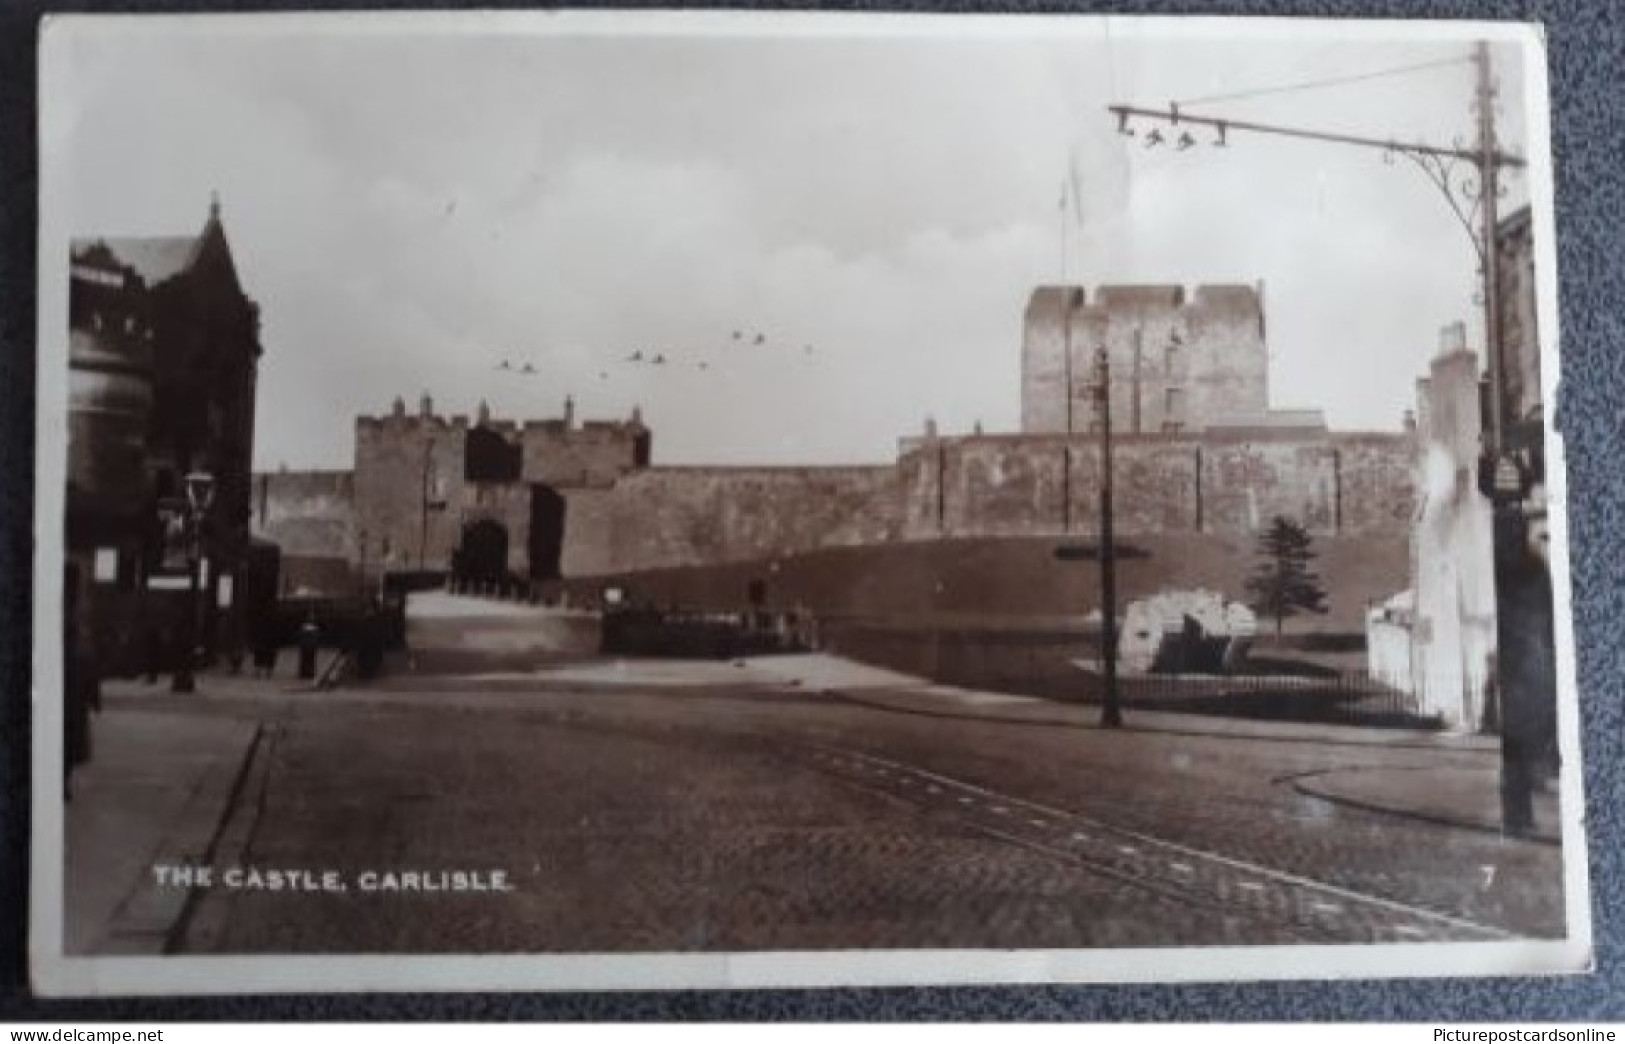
column 688, row 516
column 595, row 454
column 1014, row 485
column 975, row 486
column 409, row 495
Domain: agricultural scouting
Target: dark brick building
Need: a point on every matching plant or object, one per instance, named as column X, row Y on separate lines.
column 164, row 359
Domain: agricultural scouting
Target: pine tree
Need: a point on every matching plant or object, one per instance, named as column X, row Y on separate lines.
column 1283, row 585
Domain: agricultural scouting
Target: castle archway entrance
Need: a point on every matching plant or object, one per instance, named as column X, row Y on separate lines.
column 546, row 532
column 483, row 554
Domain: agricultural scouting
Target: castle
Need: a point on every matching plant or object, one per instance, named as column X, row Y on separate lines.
column 486, row 497
column 1200, row 454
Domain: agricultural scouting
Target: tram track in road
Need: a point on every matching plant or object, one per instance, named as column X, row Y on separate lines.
column 1252, row 899
column 1229, row 887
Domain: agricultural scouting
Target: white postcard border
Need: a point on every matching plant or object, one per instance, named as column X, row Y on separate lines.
column 55, row 974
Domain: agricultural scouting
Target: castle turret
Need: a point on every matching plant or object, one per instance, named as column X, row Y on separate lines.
column 1452, row 339
column 569, row 412
column 425, row 406
column 483, row 417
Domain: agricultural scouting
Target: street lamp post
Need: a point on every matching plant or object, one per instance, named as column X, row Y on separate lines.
column 199, row 488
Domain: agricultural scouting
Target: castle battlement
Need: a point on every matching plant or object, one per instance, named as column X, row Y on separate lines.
column 426, row 419
column 1147, row 297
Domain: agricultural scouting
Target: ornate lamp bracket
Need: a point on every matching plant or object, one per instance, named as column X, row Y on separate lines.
column 1460, row 181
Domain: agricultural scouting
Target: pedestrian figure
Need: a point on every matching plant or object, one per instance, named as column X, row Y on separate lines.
column 309, row 642
column 80, row 688
column 369, row 642
column 266, row 648
column 152, row 653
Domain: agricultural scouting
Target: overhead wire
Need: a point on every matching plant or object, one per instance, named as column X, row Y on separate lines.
column 1333, row 81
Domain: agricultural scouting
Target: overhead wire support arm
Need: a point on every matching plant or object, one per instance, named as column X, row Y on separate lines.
column 1471, row 193
column 1224, row 125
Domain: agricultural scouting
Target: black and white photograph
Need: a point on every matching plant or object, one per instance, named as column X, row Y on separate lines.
column 633, row 500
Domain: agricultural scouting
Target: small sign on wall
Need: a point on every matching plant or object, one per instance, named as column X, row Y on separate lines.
column 106, row 568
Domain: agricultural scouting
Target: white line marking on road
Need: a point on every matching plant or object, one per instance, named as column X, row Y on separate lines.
column 1183, row 868
column 1035, row 822
column 1407, row 929
column 1127, row 849
column 1251, row 886
column 1327, row 907
column 1080, row 837
column 1001, row 810
column 964, row 801
column 932, row 788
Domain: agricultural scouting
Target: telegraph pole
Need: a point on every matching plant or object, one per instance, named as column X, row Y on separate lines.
column 1472, row 199
column 1489, row 188
column 1111, row 712
column 423, row 524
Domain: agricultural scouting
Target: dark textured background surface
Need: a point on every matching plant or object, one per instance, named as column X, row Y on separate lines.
column 1588, row 40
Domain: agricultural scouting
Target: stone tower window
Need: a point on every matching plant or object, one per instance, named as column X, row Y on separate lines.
column 1173, row 410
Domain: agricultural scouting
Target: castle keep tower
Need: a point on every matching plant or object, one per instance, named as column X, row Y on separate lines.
column 1180, row 363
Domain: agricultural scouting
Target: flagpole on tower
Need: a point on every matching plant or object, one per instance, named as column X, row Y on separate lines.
column 1063, row 234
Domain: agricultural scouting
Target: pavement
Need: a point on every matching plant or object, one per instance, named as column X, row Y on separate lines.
column 163, row 780
column 155, row 792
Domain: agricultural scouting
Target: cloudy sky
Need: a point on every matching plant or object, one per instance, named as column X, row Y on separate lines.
column 413, row 205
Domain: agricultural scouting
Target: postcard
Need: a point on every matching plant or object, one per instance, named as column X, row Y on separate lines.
column 633, row 500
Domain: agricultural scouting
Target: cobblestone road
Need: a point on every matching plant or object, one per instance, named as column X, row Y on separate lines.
column 734, row 818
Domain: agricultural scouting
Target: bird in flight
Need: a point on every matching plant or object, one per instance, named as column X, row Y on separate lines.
column 738, row 335
column 528, row 369
column 659, row 360
column 636, row 356
column 505, row 365
column 761, row 339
